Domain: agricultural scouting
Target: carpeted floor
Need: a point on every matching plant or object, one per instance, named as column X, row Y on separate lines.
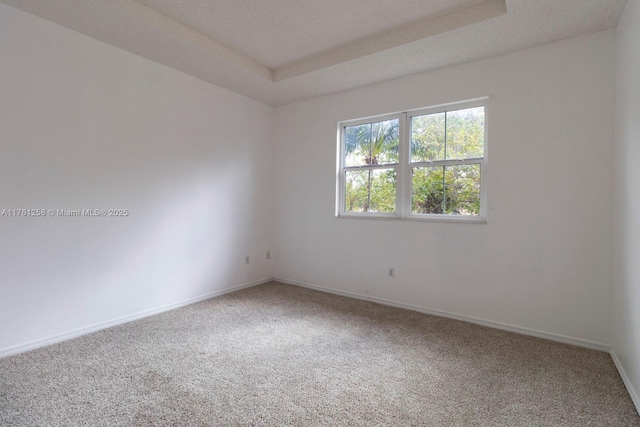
column 282, row 355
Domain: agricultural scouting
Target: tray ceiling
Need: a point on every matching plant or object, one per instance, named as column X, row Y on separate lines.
column 281, row 51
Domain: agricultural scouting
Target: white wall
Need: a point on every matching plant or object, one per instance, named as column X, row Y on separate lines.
column 86, row 125
column 626, row 249
column 543, row 259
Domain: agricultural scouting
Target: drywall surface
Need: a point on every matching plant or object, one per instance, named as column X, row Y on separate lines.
column 626, row 249
column 541, row 262
column 84, row 125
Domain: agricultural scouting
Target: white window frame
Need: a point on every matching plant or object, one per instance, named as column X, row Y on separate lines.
column 404, row 165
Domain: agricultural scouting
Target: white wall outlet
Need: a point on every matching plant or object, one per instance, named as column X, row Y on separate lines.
column 268, row 254
column 246, row 259
column 392, row 272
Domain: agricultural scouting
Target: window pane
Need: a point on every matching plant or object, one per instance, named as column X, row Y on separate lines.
column 428, row 190
column 356, row 191
column 450, row 190
column 357, row 144
column 372, row 143
column 370, row 190
column 462, row 187
column 384, row 142
column 383, row 190
column 427, row 137
column 465, row 133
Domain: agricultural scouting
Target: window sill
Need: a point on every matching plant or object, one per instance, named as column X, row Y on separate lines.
column 417, row 218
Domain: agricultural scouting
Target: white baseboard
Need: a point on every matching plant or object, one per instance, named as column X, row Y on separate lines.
column 120, row 320
column 625, row 379
column 484, row 322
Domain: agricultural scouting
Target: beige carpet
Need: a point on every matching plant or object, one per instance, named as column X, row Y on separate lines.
column 282, row 355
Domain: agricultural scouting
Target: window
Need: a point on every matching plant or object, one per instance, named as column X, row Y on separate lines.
column 420, row 164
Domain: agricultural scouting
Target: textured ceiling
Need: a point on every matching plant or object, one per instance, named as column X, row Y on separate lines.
column 277, row 33
column 280, row 51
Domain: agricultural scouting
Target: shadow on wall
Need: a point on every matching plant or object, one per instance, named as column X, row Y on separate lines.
column 177, row 239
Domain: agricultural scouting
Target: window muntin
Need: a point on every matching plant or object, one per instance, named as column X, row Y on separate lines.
column 422, row 164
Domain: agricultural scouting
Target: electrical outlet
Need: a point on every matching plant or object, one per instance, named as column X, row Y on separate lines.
column 246, row 259
column 392, row 272
column 268, row 254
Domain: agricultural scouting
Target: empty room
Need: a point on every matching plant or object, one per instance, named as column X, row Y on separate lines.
column 319, row 213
